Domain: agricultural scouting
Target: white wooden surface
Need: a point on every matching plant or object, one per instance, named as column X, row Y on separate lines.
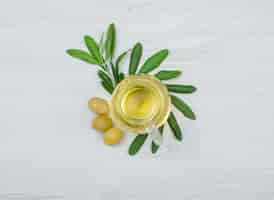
column 48, row 151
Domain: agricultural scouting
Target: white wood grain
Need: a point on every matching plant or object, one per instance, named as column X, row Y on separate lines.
column 48, row 151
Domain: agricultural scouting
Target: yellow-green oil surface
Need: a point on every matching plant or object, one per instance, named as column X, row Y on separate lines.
column 139, row 102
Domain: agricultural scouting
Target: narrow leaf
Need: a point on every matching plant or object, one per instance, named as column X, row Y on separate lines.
column 120, row 58
column 168, row 74
column 101, row 43
column 104, row 77
column 82, row 55
column 93, row 48
column 135, row 58
column 183, row 107
column 121, row 76
column 181, row 88
column 117, row 63
column 115, row 73
column 155, row 147
column 107, row 87
column 173, row 124
column 136, row 144
column 110, row 41
column 154, row 61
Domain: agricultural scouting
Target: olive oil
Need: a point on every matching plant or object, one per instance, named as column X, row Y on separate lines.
column 140, row 102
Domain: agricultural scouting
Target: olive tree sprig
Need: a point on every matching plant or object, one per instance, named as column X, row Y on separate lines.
column 102, row 54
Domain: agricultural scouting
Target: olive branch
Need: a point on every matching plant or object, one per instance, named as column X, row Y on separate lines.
column 109, row 72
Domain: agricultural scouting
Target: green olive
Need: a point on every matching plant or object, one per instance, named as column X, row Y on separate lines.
column 113, row 136
column 102, row 123
column 98, row 105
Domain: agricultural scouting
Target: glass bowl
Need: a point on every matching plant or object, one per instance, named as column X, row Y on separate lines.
column 139, row 103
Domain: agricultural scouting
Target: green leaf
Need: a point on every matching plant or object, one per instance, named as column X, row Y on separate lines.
column 104, row 77
column 154, row 146
column 101, row 44
column 181, row 88
column 107, row 87
column 173, row 124
column 168, row 74
column 137, row 143
column 93, row 48
column 82, row 55
column 115, row 73
column 121, row 76
column 110, row 41
column 117, row 63
column 106, row 81
column 120, row 58
column 135, row 58
column 183, row 107
column 154, row 61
